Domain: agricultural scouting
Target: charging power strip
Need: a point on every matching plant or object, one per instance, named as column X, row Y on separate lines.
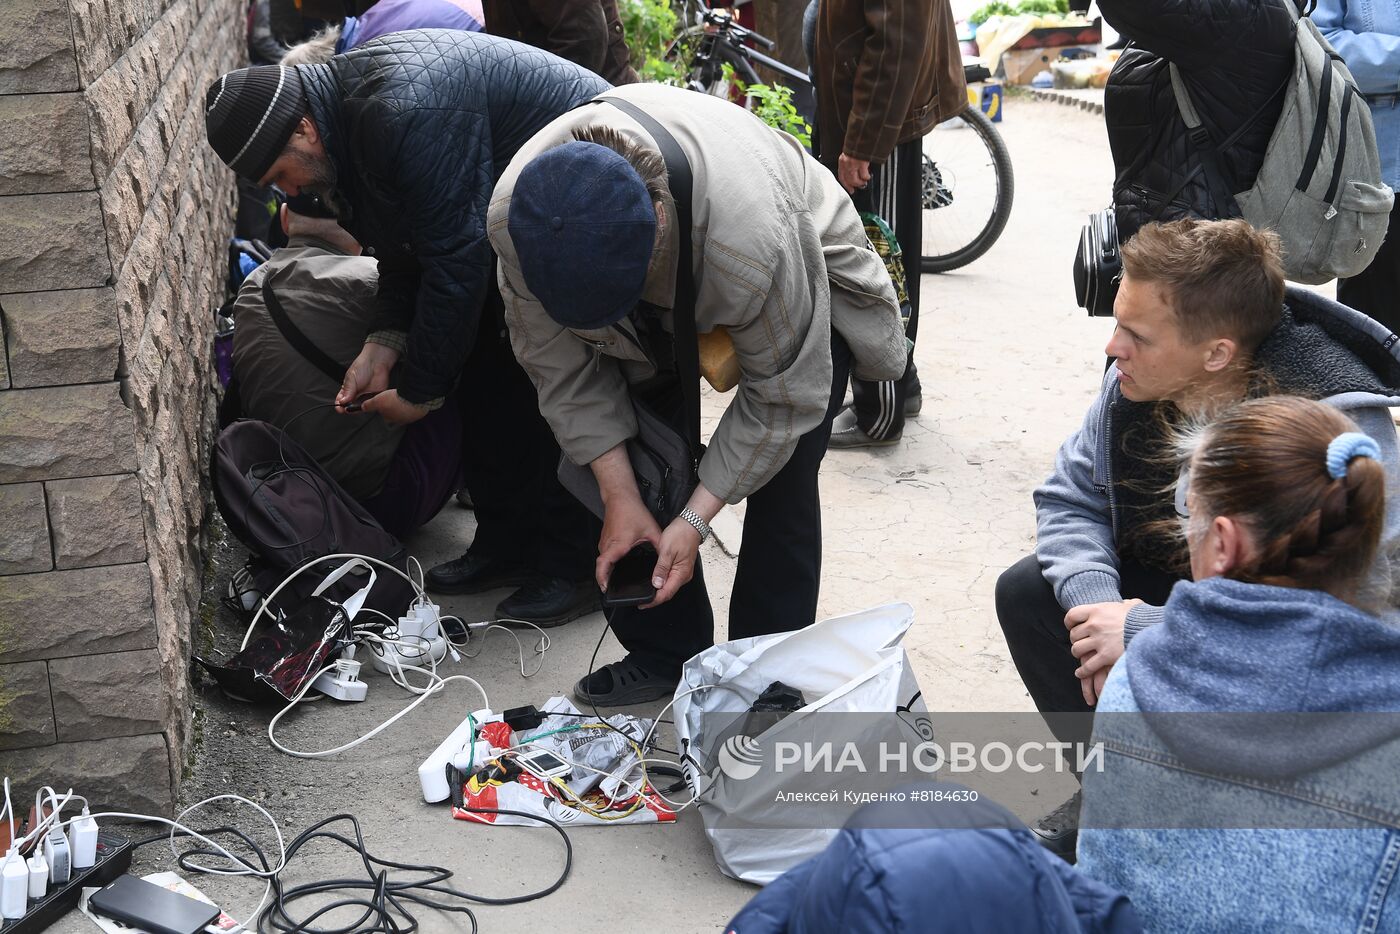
column 113, row 859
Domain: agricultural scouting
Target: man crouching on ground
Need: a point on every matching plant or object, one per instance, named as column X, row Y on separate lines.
column 1201, row 324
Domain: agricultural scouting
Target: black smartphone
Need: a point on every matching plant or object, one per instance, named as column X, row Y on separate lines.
column 630, row 583
column 146, row 905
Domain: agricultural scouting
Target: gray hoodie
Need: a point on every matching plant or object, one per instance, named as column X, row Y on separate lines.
column 1321, row 350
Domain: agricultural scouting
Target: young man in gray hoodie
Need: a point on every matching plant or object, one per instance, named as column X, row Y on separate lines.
column 1203, row 321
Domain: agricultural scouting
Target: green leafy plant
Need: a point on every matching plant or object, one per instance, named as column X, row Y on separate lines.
column 773, row 105
column 1043, row 6
column 659, row 52
column 999, row 8
column 995, row 8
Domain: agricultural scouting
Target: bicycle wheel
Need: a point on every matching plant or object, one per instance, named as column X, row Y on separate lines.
column 968, row 187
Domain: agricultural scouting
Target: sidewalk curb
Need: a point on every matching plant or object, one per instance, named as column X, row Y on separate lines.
column 1068, row 98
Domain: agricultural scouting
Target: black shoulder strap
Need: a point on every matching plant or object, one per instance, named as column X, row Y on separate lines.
column 683, row 314
column 299, row 341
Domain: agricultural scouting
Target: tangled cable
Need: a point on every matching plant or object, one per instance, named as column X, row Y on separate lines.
column 385, row 901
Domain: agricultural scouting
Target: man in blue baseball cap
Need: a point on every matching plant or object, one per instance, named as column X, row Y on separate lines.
column 788, row 298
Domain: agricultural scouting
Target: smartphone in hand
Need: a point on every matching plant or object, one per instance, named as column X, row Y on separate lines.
column 630, row 583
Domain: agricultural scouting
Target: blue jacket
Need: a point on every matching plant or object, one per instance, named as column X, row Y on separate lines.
column 1367, row 34
column 1262, row 726
column 1321, row 350
column 890, row 870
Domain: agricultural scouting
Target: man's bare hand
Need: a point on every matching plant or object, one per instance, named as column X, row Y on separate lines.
column 368, row 374
column 852, row 173
column 1092, row 686
column 675, row 564
column 1096, row 634
column 626, row 523
column 395, row 409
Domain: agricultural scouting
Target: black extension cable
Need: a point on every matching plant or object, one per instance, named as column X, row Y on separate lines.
column 593, row 660
column 386, row 902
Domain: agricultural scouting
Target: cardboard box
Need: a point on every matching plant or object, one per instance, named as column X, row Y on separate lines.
column 1021, row 65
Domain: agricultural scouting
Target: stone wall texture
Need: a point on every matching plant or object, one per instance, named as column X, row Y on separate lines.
column 114, row 215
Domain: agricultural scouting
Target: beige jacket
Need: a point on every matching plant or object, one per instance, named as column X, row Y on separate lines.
column 780, row 258
column 329, row 297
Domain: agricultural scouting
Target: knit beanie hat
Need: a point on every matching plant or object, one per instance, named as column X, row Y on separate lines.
column 249, row 115
column 583, row 227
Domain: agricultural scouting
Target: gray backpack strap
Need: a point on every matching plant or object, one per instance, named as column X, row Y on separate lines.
column 1183, row 98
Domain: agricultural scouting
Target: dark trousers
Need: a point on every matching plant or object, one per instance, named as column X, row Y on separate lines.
column 895, row 193
column 509, row 462
column 780, row 559
column 1033, row 623
column 423, row 474
column 1376, row 291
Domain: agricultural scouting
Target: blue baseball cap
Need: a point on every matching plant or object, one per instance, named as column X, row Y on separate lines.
column 583, row 226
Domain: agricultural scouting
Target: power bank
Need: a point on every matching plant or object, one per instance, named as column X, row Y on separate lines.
column 143, row 904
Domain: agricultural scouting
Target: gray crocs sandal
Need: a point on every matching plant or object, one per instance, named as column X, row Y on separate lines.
column 622, row 683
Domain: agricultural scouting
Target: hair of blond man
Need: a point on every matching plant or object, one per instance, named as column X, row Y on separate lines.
column 314, row 51
column 1221, row 278
column 647, row 163
column 1264, row 463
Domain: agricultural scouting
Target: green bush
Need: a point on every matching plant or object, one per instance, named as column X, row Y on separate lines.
column 773, row 105
column 651, row 27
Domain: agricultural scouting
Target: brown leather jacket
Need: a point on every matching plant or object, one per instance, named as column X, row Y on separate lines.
column 886, row 72
column 586, row 32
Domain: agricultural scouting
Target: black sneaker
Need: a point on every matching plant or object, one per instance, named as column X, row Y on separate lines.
column 1058, row 831
column 475, row 574
column 550, row 601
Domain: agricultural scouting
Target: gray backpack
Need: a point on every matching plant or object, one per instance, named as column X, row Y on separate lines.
column 1320, row 186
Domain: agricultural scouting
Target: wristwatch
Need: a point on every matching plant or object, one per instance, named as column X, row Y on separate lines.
column 697, row 523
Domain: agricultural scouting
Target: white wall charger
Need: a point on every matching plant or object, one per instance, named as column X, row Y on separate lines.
column 38, row 876
column 82, row 839
column 58, row 856
column 14, row 886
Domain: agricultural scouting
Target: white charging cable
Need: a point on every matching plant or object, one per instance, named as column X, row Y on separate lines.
column 421, row 597
column 435, row 685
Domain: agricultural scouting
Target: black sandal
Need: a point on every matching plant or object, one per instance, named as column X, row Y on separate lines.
column 631, row 684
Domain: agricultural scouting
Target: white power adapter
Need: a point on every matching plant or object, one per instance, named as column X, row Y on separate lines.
column 82, row 840
column 14, row 886
column 38, row 876
column 421, row 638
column 343, row 682
column 58, row 856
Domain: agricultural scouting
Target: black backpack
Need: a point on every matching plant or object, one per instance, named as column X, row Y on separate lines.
column 288, row 511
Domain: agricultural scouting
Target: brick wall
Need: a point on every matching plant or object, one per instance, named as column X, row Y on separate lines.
column 113, row 219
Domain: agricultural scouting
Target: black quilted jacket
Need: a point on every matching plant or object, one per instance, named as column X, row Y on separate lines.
column 1233, row 55
column 420, row 125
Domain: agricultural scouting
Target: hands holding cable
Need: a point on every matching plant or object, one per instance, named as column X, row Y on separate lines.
column 627, row 523
column 366, row 388
column 1096, row 639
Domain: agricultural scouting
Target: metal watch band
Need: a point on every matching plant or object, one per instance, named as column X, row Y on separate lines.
column 700, row 525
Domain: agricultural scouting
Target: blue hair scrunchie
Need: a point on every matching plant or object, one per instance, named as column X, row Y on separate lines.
column 1344, row 447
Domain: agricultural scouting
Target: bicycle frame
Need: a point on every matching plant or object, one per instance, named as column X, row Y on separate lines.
column 725, row 43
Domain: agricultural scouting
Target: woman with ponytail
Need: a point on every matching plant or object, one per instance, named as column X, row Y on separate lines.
column 1250, row 776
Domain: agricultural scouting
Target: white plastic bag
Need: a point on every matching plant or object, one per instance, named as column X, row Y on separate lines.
column 846, row 664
